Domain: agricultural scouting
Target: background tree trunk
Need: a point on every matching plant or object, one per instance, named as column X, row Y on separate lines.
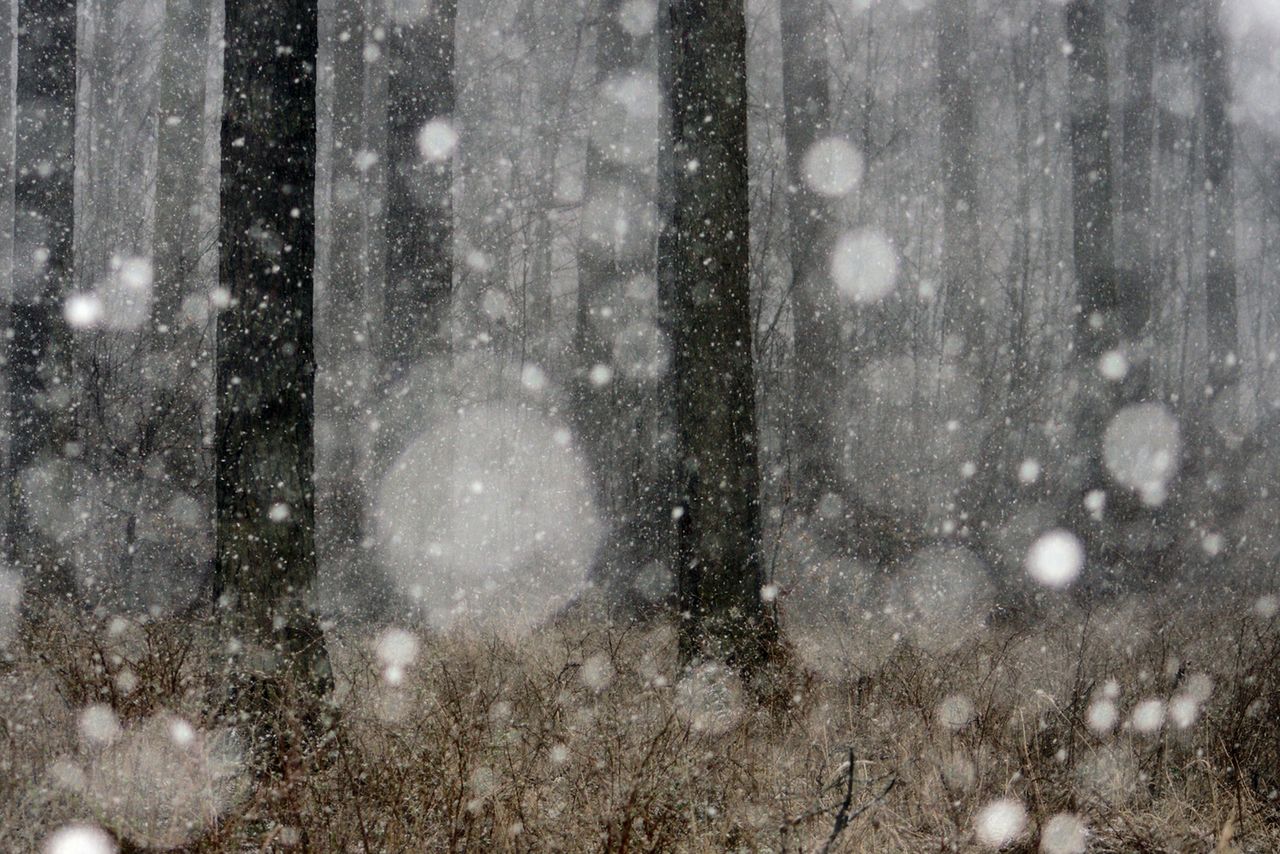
column 344, row 347
column 419, row 219
column 265, row 515
column 806, row 97
column 179, row 152
column 38, row 350
column 718, row 542
column 961, row 272
column 1220, row 273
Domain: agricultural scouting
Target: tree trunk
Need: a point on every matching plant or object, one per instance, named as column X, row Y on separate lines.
column 1220, row 272
column 38, row 350
column 265, row 559
column 179, row 155
column 806, row 97
column 961, row 273
column 718, row 540
column 343, row 350
column 421, row 135
column 1092, row 220
column 617, row 185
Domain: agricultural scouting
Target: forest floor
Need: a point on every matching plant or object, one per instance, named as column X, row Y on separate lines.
column 1140, row 726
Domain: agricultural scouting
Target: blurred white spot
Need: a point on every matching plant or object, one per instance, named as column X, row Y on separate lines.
column 1113, row 365
column 641, row 352
column 1184, row 710
column 508, row 555
column 79, row 839
column 1148, row 716
column 1029, row 471
column 1102, row 716
column 436, row 140
column 396, row 649
column 1056, row 558
column 1140, row 449
column 99, row 725
column 1064, row 833
column 600, row 374
column 832, row 167
column 956, row 712
column 495, row 305
column 864, row 265
column 10, row 605
column 709, row 698
column 637, row 17
column 769, row 593
column 83, row 311
column 279, row 512
column 1000, row 822
column 1095, row 502
column 1267, row 606
column 533, row 378
column 596, row 672
column 942, row 597
column 164, row 782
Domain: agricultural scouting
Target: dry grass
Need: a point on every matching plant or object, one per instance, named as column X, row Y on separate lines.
column 583, row 738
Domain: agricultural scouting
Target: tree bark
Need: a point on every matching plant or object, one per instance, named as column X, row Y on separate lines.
column 604, row 410
column 38, row 349
column 961, row 273
column 179, row 155
column 1220, row 273
column 718, row 539
column 806, row 97
column 265, row 553
column 344, row 347
column 1091, row 186
column 419, row 207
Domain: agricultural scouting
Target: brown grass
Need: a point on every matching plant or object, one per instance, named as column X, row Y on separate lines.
column 582, row 738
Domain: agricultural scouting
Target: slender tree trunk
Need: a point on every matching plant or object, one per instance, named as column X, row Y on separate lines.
column 8, row 45
column 179, row 158
column 1135, row 258
column 344, row 347
column 719, row 528
column 806, row 96
column 961, row 274
column 38, row 348
column 265, row 559
column 1139, row 126
column 421, row 135
column 1091, row 185
column 618, row 186
column 1220, row 273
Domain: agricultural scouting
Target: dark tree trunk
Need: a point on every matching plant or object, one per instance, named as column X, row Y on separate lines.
column 806, row 96
column 419, row 218
column 343, row 350
column 718, row 541
column 961, row 275
column 1092, row 218
column 1139, row 127
column 1220, row 272
column 265, row 365
column 38, row 348
column 8, row 28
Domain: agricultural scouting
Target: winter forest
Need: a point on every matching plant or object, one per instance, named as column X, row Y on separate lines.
column 640, row 425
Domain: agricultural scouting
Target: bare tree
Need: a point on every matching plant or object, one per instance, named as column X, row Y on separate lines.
column 38, row 346
column 265, row 514
column 421, row 136
column 718, row 540
column 1219, row 142
column 806, row 96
